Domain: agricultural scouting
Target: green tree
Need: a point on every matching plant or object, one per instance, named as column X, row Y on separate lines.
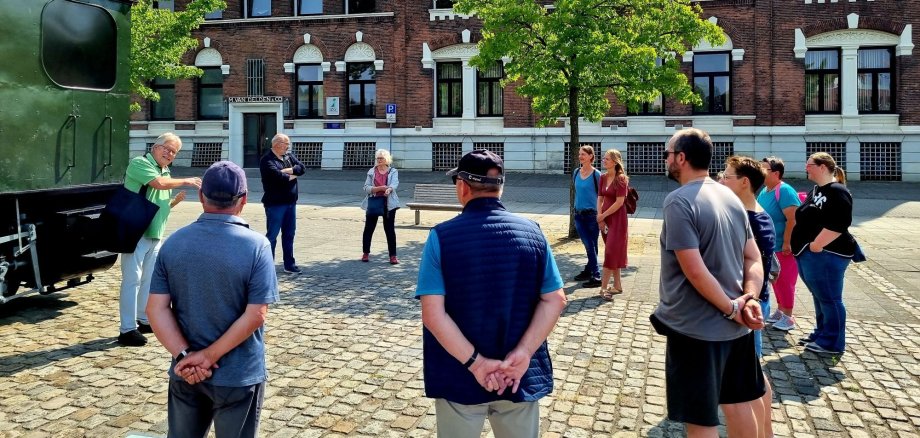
column 569, row 57
column 159, row 38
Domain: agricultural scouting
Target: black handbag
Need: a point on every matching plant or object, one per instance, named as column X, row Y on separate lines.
column 376, row 205
column 125, row 218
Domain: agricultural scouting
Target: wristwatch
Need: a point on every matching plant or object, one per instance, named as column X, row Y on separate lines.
column 472, row 359
column 181, row 355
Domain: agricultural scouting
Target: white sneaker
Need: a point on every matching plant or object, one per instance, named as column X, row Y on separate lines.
column 785, row 323
column 775, row 316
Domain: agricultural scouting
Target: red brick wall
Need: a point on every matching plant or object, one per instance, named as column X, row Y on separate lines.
column 768, row 83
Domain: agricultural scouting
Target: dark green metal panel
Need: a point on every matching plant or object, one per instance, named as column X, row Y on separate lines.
column 53, row 136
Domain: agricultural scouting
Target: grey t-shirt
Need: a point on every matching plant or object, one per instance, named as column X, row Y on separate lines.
column 707, row 216
column 212, row 269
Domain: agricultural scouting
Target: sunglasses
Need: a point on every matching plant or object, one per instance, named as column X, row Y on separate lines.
column 664, row 155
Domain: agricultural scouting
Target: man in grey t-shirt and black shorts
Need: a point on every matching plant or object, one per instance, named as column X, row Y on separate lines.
column 710, row 277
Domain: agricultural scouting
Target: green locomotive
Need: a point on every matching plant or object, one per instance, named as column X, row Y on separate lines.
column 64, row 96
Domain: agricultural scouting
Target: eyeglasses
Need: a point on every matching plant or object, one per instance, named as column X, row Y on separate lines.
column 810, row 164
column 664, row 155
column 168, row 151
column 730, row 175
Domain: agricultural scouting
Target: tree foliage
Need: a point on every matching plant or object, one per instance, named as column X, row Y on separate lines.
column 569, row 57
column 597, row 47
column 159, row 38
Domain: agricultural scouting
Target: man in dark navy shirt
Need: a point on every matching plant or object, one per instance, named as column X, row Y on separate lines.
column 491, row 293
column 280, row 170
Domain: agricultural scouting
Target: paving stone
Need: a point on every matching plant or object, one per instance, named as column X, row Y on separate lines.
column 344, row 349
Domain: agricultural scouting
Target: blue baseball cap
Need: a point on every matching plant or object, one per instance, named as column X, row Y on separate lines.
column 223, row 182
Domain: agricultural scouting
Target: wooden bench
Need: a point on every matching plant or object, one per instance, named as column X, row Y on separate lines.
column 440, row 197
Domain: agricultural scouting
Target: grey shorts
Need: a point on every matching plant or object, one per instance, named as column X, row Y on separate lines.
column 508, row 419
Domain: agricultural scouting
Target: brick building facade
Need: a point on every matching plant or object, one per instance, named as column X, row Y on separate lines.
column 794, row 77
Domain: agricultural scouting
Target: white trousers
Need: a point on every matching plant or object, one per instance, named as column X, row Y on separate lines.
column 136, row 272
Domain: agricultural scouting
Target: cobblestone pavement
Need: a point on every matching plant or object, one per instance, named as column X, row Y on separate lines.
column 344, row 344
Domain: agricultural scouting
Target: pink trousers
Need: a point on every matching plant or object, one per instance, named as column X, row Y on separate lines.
column 784, row 288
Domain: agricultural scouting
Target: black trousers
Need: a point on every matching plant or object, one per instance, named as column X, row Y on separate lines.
column 389, row 227
column 234, row 411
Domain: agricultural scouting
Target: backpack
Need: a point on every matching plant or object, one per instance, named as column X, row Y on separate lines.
column 632, row 199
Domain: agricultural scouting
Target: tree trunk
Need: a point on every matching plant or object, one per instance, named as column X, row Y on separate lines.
column 574, row 145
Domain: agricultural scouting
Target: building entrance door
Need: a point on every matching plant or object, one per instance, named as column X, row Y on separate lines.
column 258, row 130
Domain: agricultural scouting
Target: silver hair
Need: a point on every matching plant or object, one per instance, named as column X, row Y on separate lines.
column 278, row 137
column 168, row 137
column 385, row 154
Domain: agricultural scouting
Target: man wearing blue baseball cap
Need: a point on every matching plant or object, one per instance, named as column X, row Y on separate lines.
column 210, row 315
column 491, row 294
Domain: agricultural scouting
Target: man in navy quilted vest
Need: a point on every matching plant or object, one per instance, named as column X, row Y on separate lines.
column 491, row 294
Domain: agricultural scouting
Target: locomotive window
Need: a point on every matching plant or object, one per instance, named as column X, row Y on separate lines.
column 79, row 45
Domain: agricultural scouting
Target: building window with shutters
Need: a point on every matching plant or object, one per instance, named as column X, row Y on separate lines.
column 712, row 82
column 450, row 89
column 822, row 81
column 875, row 80
column 310, row 91
column 165, row 108
column 361, row 89
column 489, row 91
column 211, row 94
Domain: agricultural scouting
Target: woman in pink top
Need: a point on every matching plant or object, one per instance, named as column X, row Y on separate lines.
column 612, row 217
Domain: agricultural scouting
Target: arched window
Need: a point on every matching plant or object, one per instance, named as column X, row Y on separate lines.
column 211, row 84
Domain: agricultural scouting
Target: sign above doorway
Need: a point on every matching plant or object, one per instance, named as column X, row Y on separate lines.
column 256, row 99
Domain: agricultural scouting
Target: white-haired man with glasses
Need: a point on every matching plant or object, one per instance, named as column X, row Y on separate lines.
column 150, row 170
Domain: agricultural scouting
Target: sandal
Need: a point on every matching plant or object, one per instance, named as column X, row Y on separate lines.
column 612, row 291
column 607, row 294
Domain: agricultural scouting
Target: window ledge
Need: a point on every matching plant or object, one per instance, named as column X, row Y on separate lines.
column 445, row 14
column 838, row 122
column 298, row 18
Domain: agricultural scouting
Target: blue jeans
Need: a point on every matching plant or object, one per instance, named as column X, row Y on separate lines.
column 823, row 274
column 282, row 218
column 588, row 230
column 758, row 334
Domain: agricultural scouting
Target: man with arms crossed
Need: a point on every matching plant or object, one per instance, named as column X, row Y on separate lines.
column 279, row 170
column 710, row 276
column 491, row 294
column 209, row 312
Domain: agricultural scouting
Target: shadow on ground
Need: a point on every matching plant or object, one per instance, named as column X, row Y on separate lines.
column 15, row 363
column 34, row 309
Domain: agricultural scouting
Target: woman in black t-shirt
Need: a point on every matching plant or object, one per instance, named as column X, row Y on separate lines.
column 823, row 248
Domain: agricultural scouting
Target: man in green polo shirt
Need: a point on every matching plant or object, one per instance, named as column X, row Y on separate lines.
column 137, row 267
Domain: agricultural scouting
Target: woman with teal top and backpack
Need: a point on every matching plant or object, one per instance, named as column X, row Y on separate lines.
column 780, row 201
column 587, row 179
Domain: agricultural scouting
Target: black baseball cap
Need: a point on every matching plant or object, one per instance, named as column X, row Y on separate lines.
column 475, row 166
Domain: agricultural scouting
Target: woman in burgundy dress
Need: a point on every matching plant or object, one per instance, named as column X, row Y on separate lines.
column 612, row 217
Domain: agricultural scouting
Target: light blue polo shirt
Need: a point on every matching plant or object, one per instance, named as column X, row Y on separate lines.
column 212, row 269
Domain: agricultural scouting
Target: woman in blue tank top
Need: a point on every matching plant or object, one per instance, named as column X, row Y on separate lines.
column 586, row 184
